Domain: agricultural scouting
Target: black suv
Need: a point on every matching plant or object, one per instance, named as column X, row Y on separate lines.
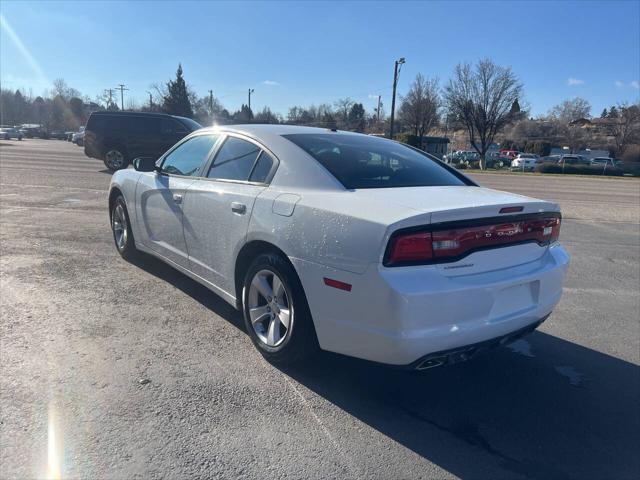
column 116, row 138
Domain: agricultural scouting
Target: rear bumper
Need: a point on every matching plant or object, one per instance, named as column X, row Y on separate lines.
column 402, row 316
column 467, row 352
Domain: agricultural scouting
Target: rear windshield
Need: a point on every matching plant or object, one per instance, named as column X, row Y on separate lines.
column 361, row 161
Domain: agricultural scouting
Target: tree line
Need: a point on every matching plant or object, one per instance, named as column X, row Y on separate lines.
column 481, row 101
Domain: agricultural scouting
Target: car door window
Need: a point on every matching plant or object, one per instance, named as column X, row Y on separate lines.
column 262, row 168
column 189, row 156
column 234, row 160
column 169, row 126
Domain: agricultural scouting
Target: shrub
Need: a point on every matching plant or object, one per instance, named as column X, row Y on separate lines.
column 579, row 169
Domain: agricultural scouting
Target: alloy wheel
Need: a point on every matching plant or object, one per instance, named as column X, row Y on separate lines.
column 119, row 224
column 114, row 159
column 269, row 308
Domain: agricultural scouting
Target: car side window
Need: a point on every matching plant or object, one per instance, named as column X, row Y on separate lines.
column 262, row 168
column 189, row 156
column 234, row 160
column 169, row 125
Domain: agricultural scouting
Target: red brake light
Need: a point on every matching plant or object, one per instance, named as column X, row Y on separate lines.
column 452, row 244
column 412, row 247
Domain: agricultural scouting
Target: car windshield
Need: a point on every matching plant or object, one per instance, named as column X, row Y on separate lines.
column 361, row 161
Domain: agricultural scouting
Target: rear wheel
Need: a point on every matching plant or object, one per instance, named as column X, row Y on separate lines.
column 121, row 227
column 115, row 159
column 276, row 312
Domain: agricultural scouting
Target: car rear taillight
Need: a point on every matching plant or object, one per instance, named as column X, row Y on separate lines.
column 411, row 247
column 442, row 244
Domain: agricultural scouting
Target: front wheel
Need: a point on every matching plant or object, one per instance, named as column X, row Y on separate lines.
column 276, row 312
column 121, row 227
column 115, row 159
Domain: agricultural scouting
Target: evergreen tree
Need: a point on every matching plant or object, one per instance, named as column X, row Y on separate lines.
column 356, row 117
column 515, row 106
column 177, row 102
column 613, row 112
column 604, row 113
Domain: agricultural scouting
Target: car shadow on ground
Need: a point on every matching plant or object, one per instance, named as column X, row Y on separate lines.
column 540, row 408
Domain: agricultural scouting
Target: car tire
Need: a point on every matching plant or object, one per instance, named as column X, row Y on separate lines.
column 121, row 228
column 115, row 158
column 276, row 312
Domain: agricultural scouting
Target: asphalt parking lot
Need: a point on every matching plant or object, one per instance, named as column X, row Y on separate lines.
column 116, row 370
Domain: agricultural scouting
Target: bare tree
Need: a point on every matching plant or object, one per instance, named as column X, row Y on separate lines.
column 343, row 106
column 626, row 127
column 420, row 106
column 481, row 99
column 571, row 110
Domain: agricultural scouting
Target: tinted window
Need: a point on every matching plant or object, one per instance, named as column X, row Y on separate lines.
column 360, row 161
column 262, row 168
column 190, row 125
column 235, row 160
column 169, row 125
column 136, row 124
column 188, row 157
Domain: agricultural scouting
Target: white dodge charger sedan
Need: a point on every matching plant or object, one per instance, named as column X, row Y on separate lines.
column 344, row 242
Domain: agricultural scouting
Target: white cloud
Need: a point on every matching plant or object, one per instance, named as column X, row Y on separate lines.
column 574, row 81
column 619, row 84
column 271, row 83
column 635, row 84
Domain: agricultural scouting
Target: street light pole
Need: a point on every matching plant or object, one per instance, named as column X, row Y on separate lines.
column 396, row 71
column 250, row 92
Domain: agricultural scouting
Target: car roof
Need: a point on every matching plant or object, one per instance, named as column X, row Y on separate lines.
column 137, row 114
column 269, row 133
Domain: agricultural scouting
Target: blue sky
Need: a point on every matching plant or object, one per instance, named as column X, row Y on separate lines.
column 299, row 53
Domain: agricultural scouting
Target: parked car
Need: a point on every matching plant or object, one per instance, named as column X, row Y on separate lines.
column 604, row 161
column 118, row 137
column 551, row 159
column 69, row 136
column 573, row 160
column 78, row 138
column 7, row 133
column 58, row 135
column 344, row 242
column 525, row 162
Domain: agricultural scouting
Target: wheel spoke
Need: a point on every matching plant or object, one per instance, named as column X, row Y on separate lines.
column 285, row 317
column 278, row 288
column 273, row 335
column 260, row 282
column 257, row 314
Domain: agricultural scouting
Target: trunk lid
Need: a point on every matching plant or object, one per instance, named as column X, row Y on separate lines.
column 436, row 205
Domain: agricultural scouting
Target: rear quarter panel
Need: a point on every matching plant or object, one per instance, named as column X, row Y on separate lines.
column 327, row 228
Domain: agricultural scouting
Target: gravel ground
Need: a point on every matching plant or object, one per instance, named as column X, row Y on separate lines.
column 116, row 370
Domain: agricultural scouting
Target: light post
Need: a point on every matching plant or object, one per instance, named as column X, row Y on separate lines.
column 250, row 92
column 396, row 72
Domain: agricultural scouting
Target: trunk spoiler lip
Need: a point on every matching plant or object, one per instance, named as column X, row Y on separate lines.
column 476, row 222
column 472, row 222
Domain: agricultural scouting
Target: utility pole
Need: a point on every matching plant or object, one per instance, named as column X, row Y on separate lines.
column 378, row 109
column 396, row 71
column 110, row 91
column 211, row 102
column 150, row 100
column 122, row 89
column 250, row 92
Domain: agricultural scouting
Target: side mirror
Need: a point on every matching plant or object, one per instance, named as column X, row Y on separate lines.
column 144, row 164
